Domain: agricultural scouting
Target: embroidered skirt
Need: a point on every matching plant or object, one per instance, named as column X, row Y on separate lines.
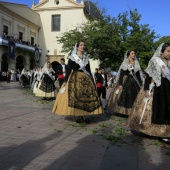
column 46, row 87
column 80, row 97
column 122, row 102
column 146, row 126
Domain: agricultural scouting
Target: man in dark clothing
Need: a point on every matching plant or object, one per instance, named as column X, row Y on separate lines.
column 61, row 71
column 95, row 74
column 101, row 81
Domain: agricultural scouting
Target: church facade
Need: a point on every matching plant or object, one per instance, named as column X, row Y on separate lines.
column 28, row 36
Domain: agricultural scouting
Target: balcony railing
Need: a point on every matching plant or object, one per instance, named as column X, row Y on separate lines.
column 5, row 41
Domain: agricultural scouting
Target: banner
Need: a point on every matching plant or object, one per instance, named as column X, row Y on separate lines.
column 11, row 49
column 37, row 55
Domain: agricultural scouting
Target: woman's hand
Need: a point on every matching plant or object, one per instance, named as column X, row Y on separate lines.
column 64, row 84
column 147, row 94
column 120, row 87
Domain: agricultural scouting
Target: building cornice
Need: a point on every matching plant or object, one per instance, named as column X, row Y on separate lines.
column 59, row 8
column 20, row 18
column 2, row 2
column 38, row 6
column 74, row 2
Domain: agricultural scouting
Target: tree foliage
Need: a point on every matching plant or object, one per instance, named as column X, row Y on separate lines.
column 161, row 40
column 109, row 38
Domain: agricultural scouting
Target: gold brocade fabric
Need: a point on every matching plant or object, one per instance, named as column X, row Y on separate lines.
column 80, row 97
column 146, row 126
column 112, row 104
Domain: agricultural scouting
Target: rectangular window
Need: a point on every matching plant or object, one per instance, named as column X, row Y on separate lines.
column 56, row 22
column 20, row 36
column 5, row 30
column 32, row 40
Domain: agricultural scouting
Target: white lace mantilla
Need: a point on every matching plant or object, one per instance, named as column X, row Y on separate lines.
column 154, row 70
column 82, row 62
column 125, row 66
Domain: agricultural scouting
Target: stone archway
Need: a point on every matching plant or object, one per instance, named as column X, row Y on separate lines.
column 20, row 62
column 54, row 60
column 4, row 63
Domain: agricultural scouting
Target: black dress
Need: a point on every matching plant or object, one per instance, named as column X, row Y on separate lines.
column 121, row 101
column 25, row 80
column 161, row 101
column 47, row 84
column 130, row 88
column 46, row 87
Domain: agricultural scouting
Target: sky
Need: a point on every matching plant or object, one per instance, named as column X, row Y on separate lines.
column 154, row 12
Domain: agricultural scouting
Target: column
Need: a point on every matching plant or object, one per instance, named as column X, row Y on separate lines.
column 11, row 64
column 27, row 63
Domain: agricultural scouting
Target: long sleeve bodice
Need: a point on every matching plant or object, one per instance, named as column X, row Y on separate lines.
column 127, row 72
column 73, row 66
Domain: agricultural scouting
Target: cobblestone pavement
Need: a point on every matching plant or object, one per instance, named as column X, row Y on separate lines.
column 32, row 138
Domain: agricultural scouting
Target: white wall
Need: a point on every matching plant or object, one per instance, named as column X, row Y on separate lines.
column 71, row 17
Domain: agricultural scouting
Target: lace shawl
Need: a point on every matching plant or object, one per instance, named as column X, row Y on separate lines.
column 154, row 70
column 85, row 58
column 124, row 66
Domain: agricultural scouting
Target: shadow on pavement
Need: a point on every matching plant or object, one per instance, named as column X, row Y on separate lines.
column 17, row 156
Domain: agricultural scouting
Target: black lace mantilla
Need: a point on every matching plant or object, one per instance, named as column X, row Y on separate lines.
column 82, row 93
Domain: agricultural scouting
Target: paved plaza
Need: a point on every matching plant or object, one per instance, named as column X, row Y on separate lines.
column 32, row 138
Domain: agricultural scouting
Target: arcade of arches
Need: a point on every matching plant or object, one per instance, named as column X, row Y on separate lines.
column 23, row 61
column 20, row 62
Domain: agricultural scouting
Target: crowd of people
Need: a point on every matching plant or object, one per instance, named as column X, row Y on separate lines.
column 11, row 75
column 19, row 40
column 141, row 96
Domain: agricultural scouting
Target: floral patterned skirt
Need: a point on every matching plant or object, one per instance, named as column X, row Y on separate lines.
column 80, row 97
column 146, row 126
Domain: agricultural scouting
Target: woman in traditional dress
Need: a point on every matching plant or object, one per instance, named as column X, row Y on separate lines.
column 37, row 76
column 13, row 75
column 8, row 76
column 127, row 85
column 78, row 96
column 34, row 78
column 46, row 87
column 18, row 75
column 24, row 78
column 151, row 112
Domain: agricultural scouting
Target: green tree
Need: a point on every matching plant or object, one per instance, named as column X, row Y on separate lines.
column 109, row 38
column 100, row 37
column 135, row 36
column 161, row 40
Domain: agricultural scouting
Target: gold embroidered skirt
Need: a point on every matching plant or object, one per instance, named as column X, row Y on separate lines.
column 146, row 126
column 80, row 97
